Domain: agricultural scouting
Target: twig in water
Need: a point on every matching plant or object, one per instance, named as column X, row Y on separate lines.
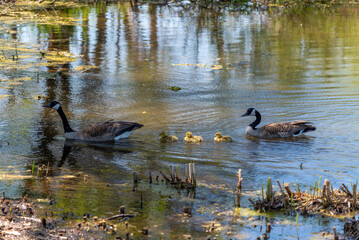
column 165, row 177
column 6, row 9
column 120, row 216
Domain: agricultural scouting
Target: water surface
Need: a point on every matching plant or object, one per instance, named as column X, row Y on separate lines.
column 289, row 66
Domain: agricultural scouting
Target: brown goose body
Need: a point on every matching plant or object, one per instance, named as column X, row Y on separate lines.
column 103, row 131
column 276, row 130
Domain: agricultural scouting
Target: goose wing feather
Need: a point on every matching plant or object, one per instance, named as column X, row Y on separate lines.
column 108, row 130
column 299, row 122
column 285, row 129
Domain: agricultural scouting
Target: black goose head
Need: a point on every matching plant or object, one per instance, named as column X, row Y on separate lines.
column 54, row 105
column 250, row 112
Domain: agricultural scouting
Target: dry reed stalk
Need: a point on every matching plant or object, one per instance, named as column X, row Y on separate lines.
column 239, row 188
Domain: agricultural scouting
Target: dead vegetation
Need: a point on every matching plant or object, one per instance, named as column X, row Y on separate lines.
column 19, row 219
column 324, row 201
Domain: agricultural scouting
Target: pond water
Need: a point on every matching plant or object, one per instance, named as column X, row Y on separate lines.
column 121, row 64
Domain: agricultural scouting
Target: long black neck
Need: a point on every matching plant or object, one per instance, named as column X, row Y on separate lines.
column 257, row 121
column 66, row 124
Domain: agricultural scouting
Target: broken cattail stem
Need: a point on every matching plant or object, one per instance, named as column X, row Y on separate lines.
column 280, row 186
column 150, row 176
column 269, row 228
column 323, row 191
column 335, row 236
column 186, row 172
column 287, row 188
column 135, row 178
column 190, row 172
column 239, row 188
column 347, row 190
column 122, row 209
column 171, row 173
column 177, row 176
column 282, row 193
column 239, row 180
column 354, row 196
column 327, row 192
column 194, row 175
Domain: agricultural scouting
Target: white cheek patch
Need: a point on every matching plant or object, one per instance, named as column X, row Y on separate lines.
column 253, row 113
column 56, row 107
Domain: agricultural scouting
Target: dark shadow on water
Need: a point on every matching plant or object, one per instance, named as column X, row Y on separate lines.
column 72, row 146
column 123, row 146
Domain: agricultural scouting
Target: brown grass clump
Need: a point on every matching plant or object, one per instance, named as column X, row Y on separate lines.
column 325, row 201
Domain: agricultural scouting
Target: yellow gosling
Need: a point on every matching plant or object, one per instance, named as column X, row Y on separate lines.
column 219, row 138
column 165, row 138
column 193, row 139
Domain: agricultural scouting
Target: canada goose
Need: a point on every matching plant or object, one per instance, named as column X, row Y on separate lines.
column 276, row 130
column 165, row 138
column 194, row 139
column 219, row 138
column 99, row 132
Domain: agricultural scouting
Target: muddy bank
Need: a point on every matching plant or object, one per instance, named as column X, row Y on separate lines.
column 21, row 219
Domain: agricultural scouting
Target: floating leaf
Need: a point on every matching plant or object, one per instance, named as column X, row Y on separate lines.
column 216, row 67
column 201, row 65
column 22, row 79
column 174, row 88
column 14, row 83
column 85, row 68
column 2, row 96
column 181, row 64
column 191, row 65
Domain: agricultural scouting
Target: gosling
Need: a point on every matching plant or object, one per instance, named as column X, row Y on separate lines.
column 165, row 138
column 219, row 138
column 192, row 139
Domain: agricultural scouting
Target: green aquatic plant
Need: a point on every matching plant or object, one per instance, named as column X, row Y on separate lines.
column 269, row 189
column 296, row 220
column 315, row 188
column 174, row 88
column 33, row 168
